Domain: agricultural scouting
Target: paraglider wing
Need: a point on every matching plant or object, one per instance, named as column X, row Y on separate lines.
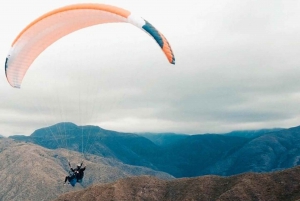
column 47, row 29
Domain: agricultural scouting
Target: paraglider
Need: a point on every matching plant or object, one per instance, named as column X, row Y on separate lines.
column 75, row 175
column 50, row 27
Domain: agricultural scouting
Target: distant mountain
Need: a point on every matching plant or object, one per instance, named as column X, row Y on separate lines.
column 189, row 157
column 127, row 147
column 164, row 139
column 185, row 156
column 250, row 151
column 253, row 133
column 31, row 172
column 269, row 152
column 277, row 186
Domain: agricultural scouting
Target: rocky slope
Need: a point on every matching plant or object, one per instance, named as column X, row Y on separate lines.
column 277, row 186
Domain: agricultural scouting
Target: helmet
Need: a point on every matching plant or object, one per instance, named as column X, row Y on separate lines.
column 78, row 165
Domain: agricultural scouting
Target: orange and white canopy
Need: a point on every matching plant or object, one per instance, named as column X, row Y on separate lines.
column 50, row 27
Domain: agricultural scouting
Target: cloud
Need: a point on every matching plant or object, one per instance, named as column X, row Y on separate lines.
column 237, row 67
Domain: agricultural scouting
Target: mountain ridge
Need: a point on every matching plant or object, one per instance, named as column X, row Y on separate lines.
column 186, row 156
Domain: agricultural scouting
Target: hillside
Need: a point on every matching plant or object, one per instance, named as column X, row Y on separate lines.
column 31, row 172
column 253, row 133
column 270, row 152
column 277, row 186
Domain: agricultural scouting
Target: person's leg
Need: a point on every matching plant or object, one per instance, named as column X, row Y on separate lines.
column 66, row 179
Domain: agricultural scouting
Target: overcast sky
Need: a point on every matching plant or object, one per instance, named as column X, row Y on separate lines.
column 237, row 67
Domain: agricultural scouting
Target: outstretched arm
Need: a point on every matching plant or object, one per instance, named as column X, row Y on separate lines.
column 71, row 167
